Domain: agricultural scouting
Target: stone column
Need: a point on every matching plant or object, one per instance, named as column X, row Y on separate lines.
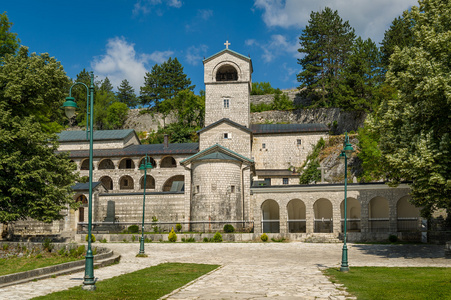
column 309, row 217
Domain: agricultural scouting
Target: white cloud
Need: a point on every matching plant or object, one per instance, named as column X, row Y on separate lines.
column 146, row 6
column 276, row 46
column 122, row 62
column 205, row 14
column 370, row 18
column 194, row 54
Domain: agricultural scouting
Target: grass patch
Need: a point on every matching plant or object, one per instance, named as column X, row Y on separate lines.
column 12, row 265
column 395, row 283
column 149, row 283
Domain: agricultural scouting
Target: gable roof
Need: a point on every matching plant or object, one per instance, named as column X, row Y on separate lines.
column 287, row 128
column 217, row 152
column 230, row 52
column 224, row 120
column 99, row 135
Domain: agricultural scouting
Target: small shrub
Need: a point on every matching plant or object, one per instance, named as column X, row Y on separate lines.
column 47, row 245
column 264, row 237
column 178, row 226
column 62, row 252
column 125, row 240
column 206, row 240
column 217, row 238
column 172, row 237
column 228, row 228
column 104, row 240
column 5, row 247
column 278, row 240
column 93, row 238
column 39, row 255
column 392, row 238
column 133, row 238
column 79, row 251
column 188, row 240
column 133, row 229
column 146, row 240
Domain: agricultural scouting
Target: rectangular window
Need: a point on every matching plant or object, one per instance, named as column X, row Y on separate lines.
column 197, row 189
column 226, row 103
column 268, row 181
column 299, row 142
column 263, row 145
column 232, row 189
column 285, row 180
column 227, row 135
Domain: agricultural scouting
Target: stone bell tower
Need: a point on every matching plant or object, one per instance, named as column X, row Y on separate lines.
column 228, row 82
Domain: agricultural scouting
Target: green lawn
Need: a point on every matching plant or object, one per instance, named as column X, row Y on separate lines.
column 21, row 264
column 149, row 283
column 395, row 283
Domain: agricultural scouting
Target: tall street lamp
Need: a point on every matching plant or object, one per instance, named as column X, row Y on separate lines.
column 144, row 166
column 69, row 108
column 345, row 154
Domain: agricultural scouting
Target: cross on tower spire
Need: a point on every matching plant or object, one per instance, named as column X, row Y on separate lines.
column 227, row 44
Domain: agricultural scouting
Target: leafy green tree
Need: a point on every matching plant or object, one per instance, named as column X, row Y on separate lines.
column 415, row 127
column 262, row 88
column 116, row 115
column 370, row 155
column 126, row 94
column 360, row 77
column 164, row 81
column 310, row 170
column 35, row 85
column 102, row 101
column 106, row 85
column 9, row 43
column 34, row 181
column 398, row 35
column 80, row 94
column 326, row 43
column 281, row 101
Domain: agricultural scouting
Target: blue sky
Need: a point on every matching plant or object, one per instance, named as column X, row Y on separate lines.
column 122, row 39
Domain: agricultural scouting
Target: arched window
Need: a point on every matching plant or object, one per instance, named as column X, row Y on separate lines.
column 81, row 209
column 107, row 182
column 150, row 182
column 270, row 217
column 352, row 215
column 296, row 216
column 323, row 216
column 168, row 162
column 408, row 215
column 227, row 73
column 151, row 160
column 127, row 163
column 379, row 215
column 126, row 183
column 106, row 164
column 175, row 184
column 85, row 164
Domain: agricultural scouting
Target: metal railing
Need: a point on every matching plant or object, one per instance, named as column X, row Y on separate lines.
column 297, row 226
column 165, row 227
column 411, row 224
column 270, row 226
column 352, row 225
column 323, row 225
column 378, row 225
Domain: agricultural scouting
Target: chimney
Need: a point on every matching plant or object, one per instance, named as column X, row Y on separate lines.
column 166, row 142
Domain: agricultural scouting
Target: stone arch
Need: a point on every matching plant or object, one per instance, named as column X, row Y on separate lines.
column 126, row 163
column 296, row 216
column 151, row 160
column 106, row 164
column 323, row 212
column 407, row 214
column 81, row 209
column 379, row 214
column 353, row 215
column 107, row 182
column 270, row 216
column 85, row 164
column 150, row 182
column 226, row 72
column 168, row 162
column 126, row 183
column 168, row 184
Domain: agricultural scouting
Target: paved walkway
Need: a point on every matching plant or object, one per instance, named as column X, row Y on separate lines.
column 249, row 270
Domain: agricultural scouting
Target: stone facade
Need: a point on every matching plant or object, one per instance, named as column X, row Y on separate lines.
column 239, row 173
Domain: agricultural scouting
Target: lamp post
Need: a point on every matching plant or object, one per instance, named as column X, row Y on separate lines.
column 69, row 107
column 345, row 154
column 144, row 166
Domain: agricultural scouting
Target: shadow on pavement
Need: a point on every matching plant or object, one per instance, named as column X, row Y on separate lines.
column 403, row 251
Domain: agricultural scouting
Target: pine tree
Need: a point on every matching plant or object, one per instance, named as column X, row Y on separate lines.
column 360, row 77
column 9, row 43
column 164, row 81
column 106, row 86
column 326, row 42
column 398, row 35
column 126, row 94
